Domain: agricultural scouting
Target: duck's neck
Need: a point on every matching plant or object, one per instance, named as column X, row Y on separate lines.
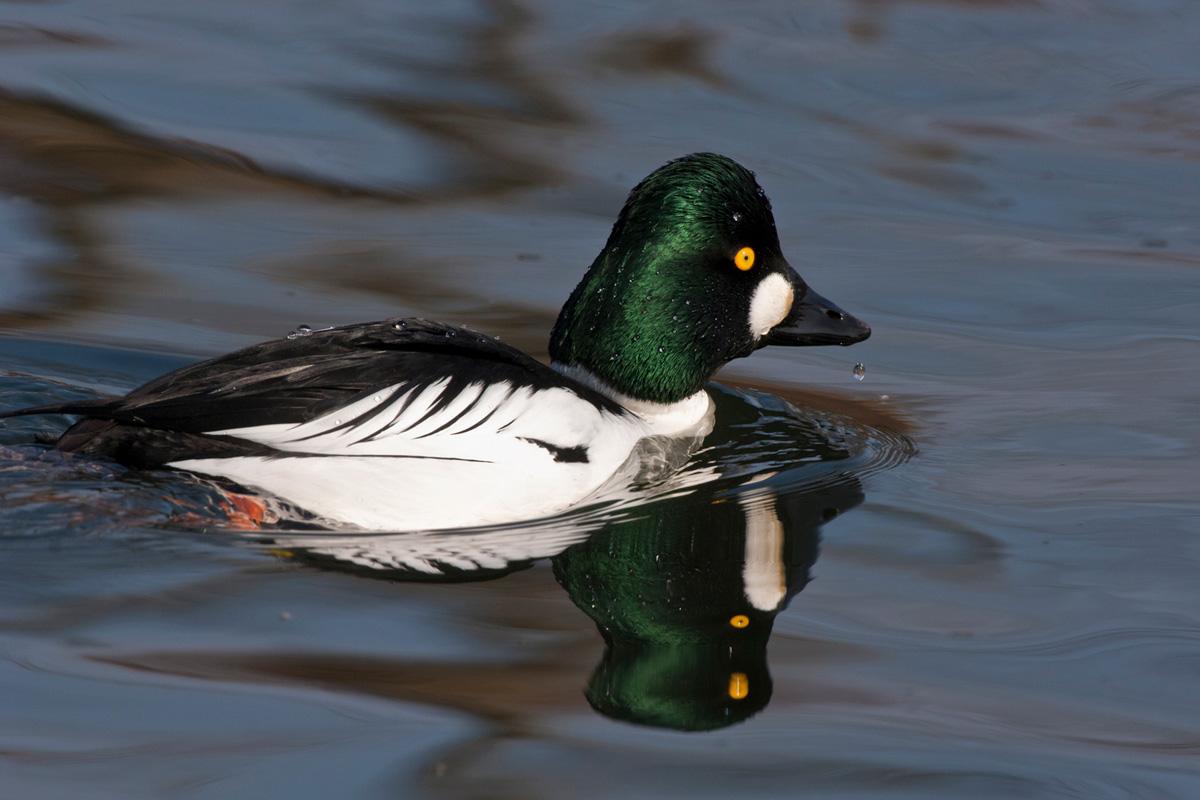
column 664, row 418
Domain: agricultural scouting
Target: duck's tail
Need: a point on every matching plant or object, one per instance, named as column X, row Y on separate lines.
column 96, row 407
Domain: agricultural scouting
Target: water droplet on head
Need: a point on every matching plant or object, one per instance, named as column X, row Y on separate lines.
column 662, row 349
column 737, row 216
column 860, row 371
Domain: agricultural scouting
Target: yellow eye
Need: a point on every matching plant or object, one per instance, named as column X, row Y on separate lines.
column 744, row 259
column 740, row 621
column 739, row 685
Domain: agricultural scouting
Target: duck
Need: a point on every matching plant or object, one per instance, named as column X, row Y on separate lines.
column 411, row 424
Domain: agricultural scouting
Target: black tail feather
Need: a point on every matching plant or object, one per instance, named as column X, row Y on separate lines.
column 96, row 407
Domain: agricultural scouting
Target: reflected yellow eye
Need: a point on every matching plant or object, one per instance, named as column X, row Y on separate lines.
column 740, row 621
column 744, row 259
column 739, row 685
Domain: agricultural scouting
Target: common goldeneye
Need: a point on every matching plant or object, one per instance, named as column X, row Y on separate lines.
column 408, row 424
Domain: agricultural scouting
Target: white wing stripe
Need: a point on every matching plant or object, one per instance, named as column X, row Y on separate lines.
column 389, row 422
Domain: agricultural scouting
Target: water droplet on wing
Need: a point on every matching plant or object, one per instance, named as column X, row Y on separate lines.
column 301, row 331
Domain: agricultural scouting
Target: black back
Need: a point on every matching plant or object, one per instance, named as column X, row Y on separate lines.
column 289, row 381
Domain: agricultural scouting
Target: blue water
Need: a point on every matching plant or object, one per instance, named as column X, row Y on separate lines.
column 988, row 547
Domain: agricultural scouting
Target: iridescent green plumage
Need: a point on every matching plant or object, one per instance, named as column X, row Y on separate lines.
column 662, row 307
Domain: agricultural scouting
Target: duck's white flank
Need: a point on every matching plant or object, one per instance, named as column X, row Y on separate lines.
column 492, row 453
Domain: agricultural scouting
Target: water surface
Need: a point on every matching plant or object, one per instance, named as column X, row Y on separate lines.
column 988, row 547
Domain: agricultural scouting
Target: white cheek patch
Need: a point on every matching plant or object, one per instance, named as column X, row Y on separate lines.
column 770, row 304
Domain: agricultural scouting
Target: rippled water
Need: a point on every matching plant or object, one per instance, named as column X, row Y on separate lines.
column 995, row 531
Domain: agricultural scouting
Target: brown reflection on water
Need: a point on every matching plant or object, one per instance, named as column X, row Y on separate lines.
column 546, row 676
column 64, row 156
column 374, row 269
column 69, row 162
column 932, row 164
column 73, row 163
column 1163, row 124
column 873, row 412
column 33, row 36
column 685, row 51
column 488, row 143
column 501, row 693
column 869, row 21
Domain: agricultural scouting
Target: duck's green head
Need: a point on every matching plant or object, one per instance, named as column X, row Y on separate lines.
column 692, row 276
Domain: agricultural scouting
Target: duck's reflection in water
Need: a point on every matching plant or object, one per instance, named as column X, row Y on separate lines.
column 686, row 599
column 685, row 584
